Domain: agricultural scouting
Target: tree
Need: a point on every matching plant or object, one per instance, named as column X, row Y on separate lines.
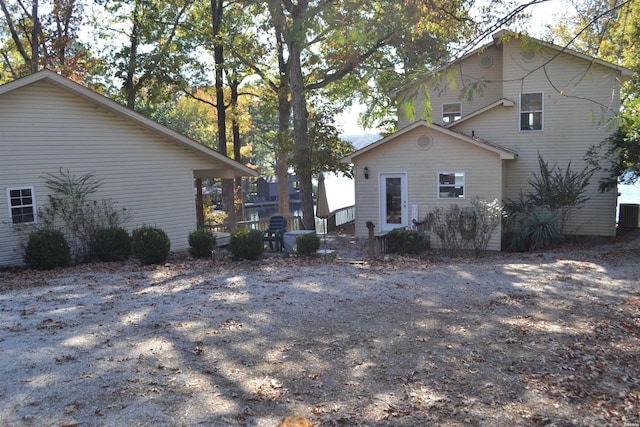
column 610, row 30
column 33, row 40
column 154, row 45
column 327, row 41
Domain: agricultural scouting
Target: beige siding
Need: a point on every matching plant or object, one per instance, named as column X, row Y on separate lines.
column 475, row 83
column 43, row 129
column 482, row 170
column 580, row 99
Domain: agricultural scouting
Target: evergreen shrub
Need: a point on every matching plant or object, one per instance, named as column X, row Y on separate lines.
column 47, row 249
column 246, row 244
column 201, row 243
column 111, row 244
column 150, row 245
column 400, row 241
column 307, row 244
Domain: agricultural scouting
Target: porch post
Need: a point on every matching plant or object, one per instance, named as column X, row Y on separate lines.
column 199, row 204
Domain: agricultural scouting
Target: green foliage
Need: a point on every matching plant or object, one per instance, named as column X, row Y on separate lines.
column 400, row 241
column 201, row 243
column 539, row 231
column 80, row 216
column 246, row 244
column 47, row 249
column 111, row 244
column 554, row 190
column 326, row 146
column 559, row 191
column 307, row 244
column 618, row 156
column 150, row 245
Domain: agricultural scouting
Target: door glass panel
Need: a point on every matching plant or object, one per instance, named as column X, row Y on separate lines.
column 394, row 200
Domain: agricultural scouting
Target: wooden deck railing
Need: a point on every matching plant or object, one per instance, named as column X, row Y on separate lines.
column 293, row 223
column 338, row 217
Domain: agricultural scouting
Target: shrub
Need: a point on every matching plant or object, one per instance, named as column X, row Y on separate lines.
column 47, row 249
column 70, row 204
column 246, row 244
column 539, row 231
column 150, row 245
column 201, row 243
column 111, row 244
column 307, row 244
column 401, row 241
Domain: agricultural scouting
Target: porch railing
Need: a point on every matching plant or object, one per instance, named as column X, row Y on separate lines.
column 338, row 217
column 293, row 223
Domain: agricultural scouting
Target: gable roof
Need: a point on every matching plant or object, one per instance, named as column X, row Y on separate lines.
column 504, row 153
column 505, row 35
column 232, row 167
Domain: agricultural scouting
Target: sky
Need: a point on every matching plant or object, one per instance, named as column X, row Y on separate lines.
column 542, row 14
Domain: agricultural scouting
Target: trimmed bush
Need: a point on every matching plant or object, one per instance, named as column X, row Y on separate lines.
column 201, row 243
column 401, row 241
column 307, row 244
column 111, row 244
column 47, row 249
column 150, row 245
column 246, row 244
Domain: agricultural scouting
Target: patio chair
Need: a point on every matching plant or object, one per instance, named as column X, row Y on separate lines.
column 275, row 232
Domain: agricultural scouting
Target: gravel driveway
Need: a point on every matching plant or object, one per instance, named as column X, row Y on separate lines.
column 503, row 340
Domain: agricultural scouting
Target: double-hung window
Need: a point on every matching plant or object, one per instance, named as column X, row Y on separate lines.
column 451, row 185
column 531, row 113
column 22, row 205
column 451, row 112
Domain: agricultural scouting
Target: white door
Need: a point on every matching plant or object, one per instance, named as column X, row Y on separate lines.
column 393, row 201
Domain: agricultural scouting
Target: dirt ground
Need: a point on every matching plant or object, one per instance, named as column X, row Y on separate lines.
column 537, row 339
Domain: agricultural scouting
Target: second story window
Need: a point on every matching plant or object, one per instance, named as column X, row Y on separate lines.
column 531, row 111
column 451, row 112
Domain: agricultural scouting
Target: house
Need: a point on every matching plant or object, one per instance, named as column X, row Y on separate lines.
column 267, row 188
column 49, row 123
column 491, row 113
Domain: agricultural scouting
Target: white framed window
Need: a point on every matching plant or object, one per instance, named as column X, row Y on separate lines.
column 22, row 205
column 531, row 111
column 451, row 112
column 451, row 185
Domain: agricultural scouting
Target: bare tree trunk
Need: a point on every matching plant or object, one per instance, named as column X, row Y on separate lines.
column 217, row 9
column 235, row 130
column 34, row 37
column 302, row 151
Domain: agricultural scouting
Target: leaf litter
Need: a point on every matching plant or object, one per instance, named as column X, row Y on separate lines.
column 504, row 339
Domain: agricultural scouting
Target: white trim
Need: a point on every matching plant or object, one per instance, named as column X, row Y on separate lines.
column 459, row 115
column 32, row 205
column 404, row 211
column 531, row 111
column 464, row 185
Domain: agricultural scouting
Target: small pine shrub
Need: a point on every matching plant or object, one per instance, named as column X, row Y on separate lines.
column 201, row 243
column 111, row 244
column 401, row 241
column 47, row 249
column 150, row 245
column 307, row 244
column 246, row 244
